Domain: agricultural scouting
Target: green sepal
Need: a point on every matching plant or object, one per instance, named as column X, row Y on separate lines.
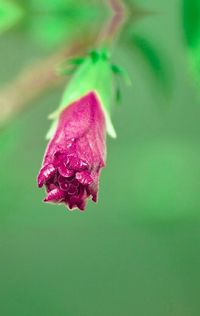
column 65, row 71
column 70, row 66
column 118, row 94
column 122, row 73
column 94, row 74
column 76, row 61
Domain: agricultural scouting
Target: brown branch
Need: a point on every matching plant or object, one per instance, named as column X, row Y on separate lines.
column 34, row 81
column 37, row 79
column 112, row 28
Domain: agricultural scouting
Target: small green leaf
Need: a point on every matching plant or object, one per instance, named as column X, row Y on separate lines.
column 94, row 55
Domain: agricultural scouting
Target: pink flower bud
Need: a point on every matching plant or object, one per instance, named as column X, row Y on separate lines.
column 75, row 154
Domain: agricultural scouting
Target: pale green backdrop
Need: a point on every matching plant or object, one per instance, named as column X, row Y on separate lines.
column 137, row 252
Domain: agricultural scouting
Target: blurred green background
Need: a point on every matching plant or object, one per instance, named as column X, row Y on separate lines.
column 137, row 252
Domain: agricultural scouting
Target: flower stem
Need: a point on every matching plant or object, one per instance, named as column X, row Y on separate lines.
column 35, row 80
column 114, row 25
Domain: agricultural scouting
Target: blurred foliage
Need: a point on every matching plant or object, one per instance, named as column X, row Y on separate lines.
column 56, row 22
column 10, row 14
column 191, row 23
column 154, row 59
column 136, row 252
column 50, row 22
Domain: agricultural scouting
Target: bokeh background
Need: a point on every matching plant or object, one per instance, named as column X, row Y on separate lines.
column 137, row 252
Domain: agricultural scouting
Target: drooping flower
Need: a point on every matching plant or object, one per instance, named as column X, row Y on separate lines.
column 76, row 151
column 76, row 154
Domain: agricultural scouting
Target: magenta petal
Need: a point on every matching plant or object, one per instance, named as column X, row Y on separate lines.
column 50, row 187
column 72, row 190
column 45, row 174
column 82, row 205
column 84, row 177
column 77, row 164
column 94, row 197
column 64, row 185
column 64, row 171
column 56, row 195
column 77, row 202
column 93, row 188
column 76, row 153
